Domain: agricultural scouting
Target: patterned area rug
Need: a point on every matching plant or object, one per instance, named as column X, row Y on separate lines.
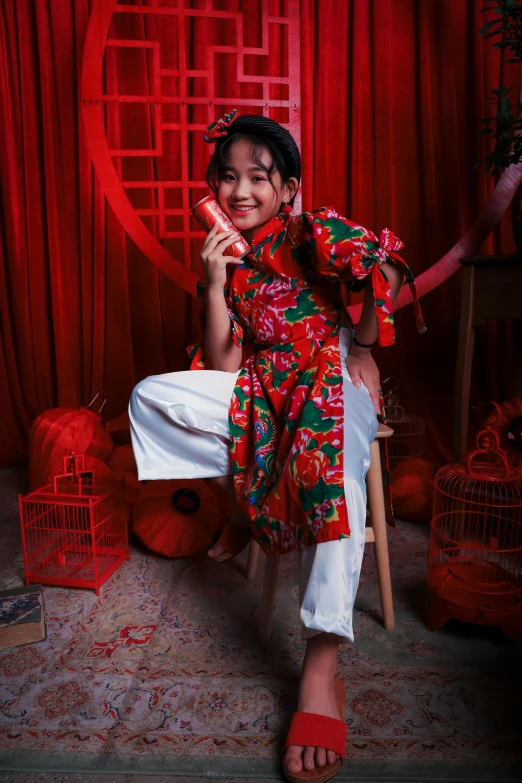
column 164, row 672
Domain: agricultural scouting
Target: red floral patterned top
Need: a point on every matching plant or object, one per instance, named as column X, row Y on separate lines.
column 286, row 414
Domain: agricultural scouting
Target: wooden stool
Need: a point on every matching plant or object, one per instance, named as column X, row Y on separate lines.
column 490, row 289
column 375, row 533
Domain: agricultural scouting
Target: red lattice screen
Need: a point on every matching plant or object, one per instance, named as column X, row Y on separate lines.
column 191, row 61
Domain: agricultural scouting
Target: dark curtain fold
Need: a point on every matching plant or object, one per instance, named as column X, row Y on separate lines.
column 392, row 96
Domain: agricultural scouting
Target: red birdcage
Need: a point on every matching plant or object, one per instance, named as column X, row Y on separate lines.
column 74, row 531
column 475, row 552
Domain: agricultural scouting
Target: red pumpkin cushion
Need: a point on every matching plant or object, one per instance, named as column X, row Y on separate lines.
column 412, row 488
column 58, row 431
column 171, row 531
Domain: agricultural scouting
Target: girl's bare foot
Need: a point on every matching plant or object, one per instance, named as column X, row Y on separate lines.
column 226, row 483
column 216, row 551
column 236, row 518
column 316, row 695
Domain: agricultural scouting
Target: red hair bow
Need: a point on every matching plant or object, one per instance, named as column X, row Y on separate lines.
column 219, row 127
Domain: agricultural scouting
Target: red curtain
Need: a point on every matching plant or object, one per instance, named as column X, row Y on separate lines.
column 392, row 96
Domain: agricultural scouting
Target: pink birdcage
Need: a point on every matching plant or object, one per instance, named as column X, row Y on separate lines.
column 409, row 431
column 475, row 551
column 74, row 531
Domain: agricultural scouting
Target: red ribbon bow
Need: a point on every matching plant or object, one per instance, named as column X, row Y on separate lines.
column 389, row 241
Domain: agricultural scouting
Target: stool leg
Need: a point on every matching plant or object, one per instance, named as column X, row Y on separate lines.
column 464, row 363
column 378, row 522
column 266, row 612
column 253, row 558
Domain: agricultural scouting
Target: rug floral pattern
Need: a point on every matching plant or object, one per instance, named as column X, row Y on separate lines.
column 167, row 661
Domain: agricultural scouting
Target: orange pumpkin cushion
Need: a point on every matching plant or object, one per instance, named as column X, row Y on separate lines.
column 176, row 532
column 412, row 488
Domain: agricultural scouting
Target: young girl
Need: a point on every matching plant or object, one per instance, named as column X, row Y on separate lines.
column 285, row 400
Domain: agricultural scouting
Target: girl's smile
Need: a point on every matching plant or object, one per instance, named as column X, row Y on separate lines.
column 245, row 191
column 242, row 210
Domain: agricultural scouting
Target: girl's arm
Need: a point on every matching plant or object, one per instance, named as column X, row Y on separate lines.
column 220, row 348
column 366, row 331
column 360, row 363
column 222, row 352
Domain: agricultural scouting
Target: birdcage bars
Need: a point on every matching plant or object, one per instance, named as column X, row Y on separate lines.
column 475, row 552
column 74, row 531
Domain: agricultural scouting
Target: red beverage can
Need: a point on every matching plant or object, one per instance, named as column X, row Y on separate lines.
column 208, row 212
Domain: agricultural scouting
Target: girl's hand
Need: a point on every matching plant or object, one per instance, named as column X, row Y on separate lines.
column 362, row 369
column 212, row 258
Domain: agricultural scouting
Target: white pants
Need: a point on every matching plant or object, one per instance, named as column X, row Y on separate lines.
column 179, row 429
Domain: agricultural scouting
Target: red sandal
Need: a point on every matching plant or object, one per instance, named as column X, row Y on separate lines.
column 308, row 729
column 234, row 538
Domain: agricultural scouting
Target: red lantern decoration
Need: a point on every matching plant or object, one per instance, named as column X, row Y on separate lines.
column 475, row 552
column 176, row 518
column 57, row 432
column 412, row 489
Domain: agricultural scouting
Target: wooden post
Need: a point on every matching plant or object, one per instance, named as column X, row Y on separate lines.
column 378, row 522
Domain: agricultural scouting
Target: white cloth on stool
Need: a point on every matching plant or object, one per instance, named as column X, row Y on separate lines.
column 179, row 429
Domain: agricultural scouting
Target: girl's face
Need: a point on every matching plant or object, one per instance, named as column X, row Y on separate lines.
column 246, row 194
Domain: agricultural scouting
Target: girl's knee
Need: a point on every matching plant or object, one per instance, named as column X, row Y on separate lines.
column 141, row 390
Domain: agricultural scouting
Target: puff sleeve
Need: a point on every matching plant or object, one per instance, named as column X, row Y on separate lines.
column 346, row 252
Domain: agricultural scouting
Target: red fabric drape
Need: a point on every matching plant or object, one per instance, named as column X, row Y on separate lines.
column 392, row 95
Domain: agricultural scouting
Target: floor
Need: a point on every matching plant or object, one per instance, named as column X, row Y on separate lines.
column 23, row 777
column 10, row 477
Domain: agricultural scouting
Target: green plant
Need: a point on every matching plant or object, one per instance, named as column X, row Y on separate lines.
column 506, row 126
